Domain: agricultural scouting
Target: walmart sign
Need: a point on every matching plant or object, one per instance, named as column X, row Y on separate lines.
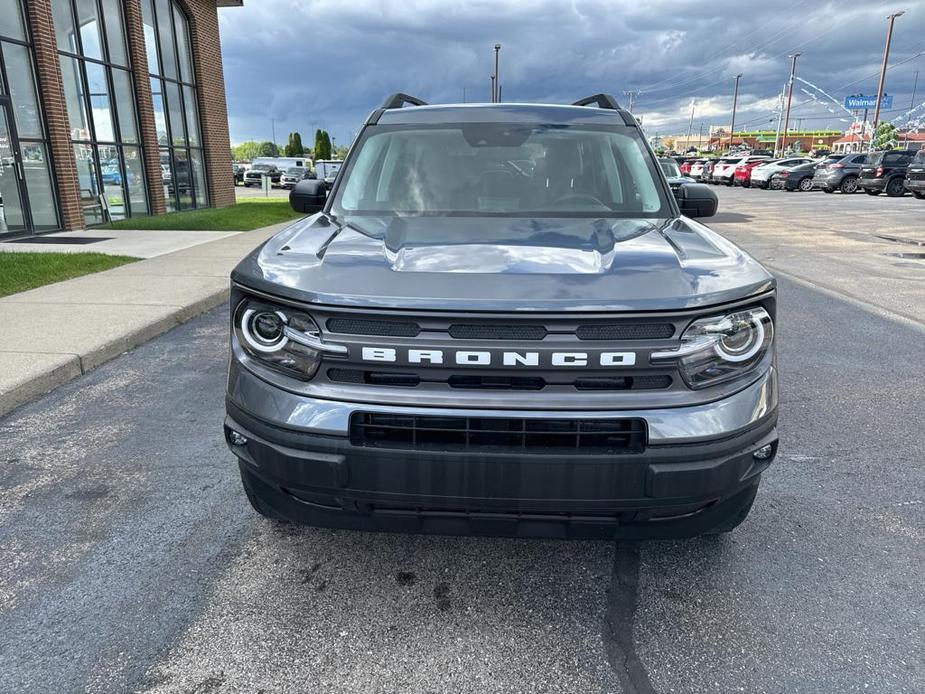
column 859, row 101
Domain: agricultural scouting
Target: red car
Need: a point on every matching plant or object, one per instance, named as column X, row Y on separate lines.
column 685, row 166
column 742, row 176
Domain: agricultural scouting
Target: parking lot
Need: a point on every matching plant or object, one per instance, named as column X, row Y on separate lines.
column 131, row 561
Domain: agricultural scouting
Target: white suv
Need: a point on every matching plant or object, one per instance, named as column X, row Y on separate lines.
column 761, row 174
column 726, row 167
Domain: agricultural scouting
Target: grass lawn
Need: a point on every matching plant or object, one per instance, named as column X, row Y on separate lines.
column 22, row 271
column 245, row 216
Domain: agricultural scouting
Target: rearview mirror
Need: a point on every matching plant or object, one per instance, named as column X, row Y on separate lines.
column 308, row 196
column 696, row 200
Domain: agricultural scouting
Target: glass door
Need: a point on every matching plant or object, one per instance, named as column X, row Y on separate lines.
column 13, row 217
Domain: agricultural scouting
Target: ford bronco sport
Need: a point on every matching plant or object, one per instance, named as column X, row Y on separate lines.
column 502, row 320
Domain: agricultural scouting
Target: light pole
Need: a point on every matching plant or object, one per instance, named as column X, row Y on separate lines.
column 497, row 94
column 735, row 99
column 793, row 69
column 690, row 127
column 886, row 57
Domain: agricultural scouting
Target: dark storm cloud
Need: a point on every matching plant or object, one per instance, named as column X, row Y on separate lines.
column 328, row 63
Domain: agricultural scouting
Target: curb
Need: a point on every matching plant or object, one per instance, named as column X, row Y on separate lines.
column 73, row 366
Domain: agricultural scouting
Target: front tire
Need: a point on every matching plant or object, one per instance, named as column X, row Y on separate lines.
column 740, row 506
column 896, row 188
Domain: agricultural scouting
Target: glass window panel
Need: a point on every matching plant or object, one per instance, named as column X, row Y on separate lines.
column 11, row 208
column 89, row 24
column 38, row 184
column 184, row 178
column 183, row 45
column 115, row 31
column 165, row 34
column 111, row 176
column 160, row 116
column 199, row 178
column 168, row 180
column 125, row 105
column 74, row 97
column 88, row 184
column 100, row 105
column 175, row 109
column 147, row 17
column 11, row 20
column 21, row 86
column 192, row 116
column 135, row 181
column 64, row 26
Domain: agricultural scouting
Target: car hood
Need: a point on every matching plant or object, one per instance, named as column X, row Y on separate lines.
column 495, row 263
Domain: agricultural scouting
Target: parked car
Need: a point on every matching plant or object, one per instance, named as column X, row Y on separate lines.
column 673, row 173
column 440, row 357
column 254, row 176
column 696, row 170
column 706, row 174
column 293, row 175
column 326, row 170
column 111, row 176
column 915, row 175
column 762, row 174
column 743, row 173
column 797, row 178
column 724, row 171
column 885, row 172
column 839, row 172
column 238, row 170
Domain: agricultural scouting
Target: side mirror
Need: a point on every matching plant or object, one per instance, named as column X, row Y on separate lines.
column 696, row 200
column 308, row 196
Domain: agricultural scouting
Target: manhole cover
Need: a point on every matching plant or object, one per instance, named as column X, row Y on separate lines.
column 69, row 240
column 909, row 256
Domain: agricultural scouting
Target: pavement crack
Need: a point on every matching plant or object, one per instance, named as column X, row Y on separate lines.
column 621, row 615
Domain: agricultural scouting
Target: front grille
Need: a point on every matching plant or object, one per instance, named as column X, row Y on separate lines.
column 497, row 382
column 374, row 378
column 625, row 331
column 363, row 326
column 503, row 434
column 916, row 176
column 656, row 382
column 465, row 331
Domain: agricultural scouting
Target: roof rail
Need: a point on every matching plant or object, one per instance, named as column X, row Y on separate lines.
column 602, row 101
column 398, row 99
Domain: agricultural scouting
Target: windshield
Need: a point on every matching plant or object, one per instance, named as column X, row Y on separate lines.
column 481, row 169
column 670, row 167
column 919, row 157
column 294, row 171
column 261, row 167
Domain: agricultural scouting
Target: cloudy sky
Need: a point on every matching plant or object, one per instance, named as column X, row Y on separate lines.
column 328, row 63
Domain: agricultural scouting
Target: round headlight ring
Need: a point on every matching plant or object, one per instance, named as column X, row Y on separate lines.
column 750, row 349
column 257, row 342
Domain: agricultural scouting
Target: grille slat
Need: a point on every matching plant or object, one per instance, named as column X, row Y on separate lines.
column 467, row 331
column 625, row 331
column 511, row 434
column 366, row 326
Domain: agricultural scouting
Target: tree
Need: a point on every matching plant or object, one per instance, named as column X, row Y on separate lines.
column 245, row 151
column 885, row 136
column 294, row 146
column 322, row 145
column 267, row 149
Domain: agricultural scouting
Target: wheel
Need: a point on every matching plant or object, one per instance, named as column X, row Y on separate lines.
column 806, row 184
column 251, row 489
column 729, row 182
column 872, row 192
column 895, row 188
column 918, row 195
column 739, row 507
column 849, row 184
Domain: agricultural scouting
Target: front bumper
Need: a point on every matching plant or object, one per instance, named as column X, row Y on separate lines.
column 917, row 186
column 698, row 460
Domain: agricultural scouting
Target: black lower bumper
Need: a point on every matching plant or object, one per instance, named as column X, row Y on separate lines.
column 664, row 492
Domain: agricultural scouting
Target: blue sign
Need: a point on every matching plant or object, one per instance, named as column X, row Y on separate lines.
column 859, row 101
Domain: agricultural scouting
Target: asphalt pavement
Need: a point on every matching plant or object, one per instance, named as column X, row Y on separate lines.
column 130, row 560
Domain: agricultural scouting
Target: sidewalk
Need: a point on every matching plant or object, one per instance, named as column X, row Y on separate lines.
column 55, row 333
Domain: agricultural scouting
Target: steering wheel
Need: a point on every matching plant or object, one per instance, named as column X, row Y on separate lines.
column 583, row 197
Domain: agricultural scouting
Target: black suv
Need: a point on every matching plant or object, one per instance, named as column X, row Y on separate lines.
column 886, row 172
column 915, row 175
column 501, row 320
column 839, row 172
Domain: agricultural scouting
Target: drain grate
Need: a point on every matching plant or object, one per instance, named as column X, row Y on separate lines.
column 63, row 240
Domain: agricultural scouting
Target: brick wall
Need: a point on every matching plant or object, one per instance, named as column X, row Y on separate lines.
column 213, row 110
column 51, row 91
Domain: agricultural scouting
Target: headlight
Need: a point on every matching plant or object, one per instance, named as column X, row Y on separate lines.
column 282, row 338
column 721, row 348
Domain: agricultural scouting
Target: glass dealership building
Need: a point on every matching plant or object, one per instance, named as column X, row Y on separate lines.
column 110, row 109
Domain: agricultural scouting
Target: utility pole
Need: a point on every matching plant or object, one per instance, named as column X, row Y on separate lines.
column 915, row 84
column 273, row 128
column 780, row 118
column 690, row 127
column 497, row 93
column 886, row 57
column 793, row 68
column 632, row 96
column 700, row 137
column 492, row 88
column 735, row 99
